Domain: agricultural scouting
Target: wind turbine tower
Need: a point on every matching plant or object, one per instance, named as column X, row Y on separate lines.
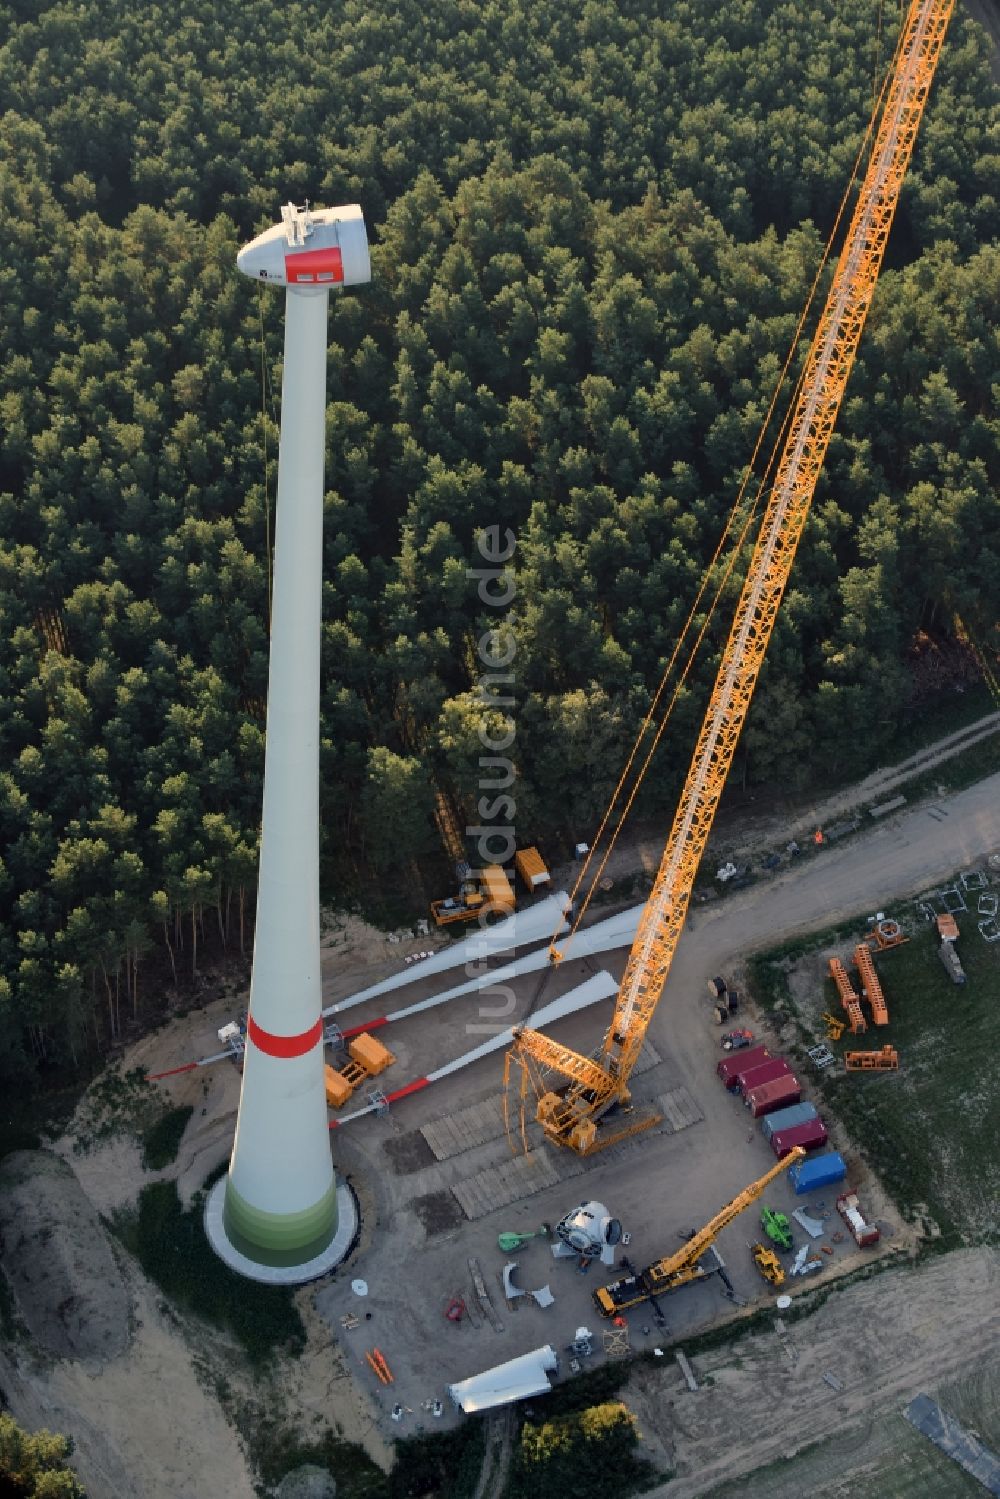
column 279, row 1215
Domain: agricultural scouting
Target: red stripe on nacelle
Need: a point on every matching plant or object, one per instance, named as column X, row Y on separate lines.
column 283, row 1046
column 310, row 265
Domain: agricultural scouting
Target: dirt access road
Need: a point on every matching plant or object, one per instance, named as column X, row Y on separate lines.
column 916, row 849
column 749, row 830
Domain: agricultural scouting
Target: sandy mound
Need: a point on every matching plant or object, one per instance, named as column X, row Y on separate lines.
column 58, row 1261
column 308, row 1482
column 144, row 1424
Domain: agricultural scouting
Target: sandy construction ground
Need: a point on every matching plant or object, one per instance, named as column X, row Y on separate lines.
column 125, row 1410
column 104, row 1362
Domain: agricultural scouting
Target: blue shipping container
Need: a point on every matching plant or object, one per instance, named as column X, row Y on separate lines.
column 817, row 1171
column 796, row 1113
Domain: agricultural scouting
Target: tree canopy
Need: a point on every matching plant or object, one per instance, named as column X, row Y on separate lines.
column 33, row 1464
column 594, row 229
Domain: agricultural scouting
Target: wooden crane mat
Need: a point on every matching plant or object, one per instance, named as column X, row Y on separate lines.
column 520, row 1176
column 481, row 1122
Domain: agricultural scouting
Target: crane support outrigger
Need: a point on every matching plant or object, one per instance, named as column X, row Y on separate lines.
column 571, row 1112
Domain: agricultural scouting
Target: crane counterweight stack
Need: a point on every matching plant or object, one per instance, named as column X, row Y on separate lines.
column 570, row 1111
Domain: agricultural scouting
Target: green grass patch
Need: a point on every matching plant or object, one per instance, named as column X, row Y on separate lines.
column 591, row 1388
column 33, row 1114
column 161, row 1140
column 357, row 1477
column 445, row 1464
column 768, row 971
column 594, row 1446
column 171, row 1246
column 926, row 1129
column 117, row 1103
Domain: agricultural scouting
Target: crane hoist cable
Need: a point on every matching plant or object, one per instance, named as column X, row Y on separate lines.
column 570, row 1115
column 580, row 910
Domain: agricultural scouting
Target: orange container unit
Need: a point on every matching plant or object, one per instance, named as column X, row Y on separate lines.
column 338, row 1089
column 497, row 891
column 370, row 1054
column 532, row 868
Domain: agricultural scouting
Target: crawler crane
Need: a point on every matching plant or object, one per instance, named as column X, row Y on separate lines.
column 684, row 1266
column 577, row 1093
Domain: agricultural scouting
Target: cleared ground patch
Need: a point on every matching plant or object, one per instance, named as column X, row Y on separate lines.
column 58, row 1262
column 884, row 1455
column 925, row 1130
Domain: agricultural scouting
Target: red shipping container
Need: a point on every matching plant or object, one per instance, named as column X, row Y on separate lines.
column 731, row 1065
column 765, row 1072
column 775, row 1095
column 810, row 1135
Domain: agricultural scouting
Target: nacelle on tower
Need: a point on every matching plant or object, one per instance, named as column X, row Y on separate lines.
column 310, row 247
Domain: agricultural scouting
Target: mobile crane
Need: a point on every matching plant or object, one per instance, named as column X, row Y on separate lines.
column 573, row 1108
column 684, row 1266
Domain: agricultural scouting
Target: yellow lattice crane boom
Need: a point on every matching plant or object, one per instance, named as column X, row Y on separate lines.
column 684, row 1265
column 570, row 1115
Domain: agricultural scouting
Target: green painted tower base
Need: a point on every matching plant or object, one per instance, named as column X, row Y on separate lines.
column 276, row 1248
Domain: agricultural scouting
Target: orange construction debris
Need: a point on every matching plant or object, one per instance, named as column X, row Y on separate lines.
column 377, row 1361
column 885, row 934
column 848, row 997
column 886, row 1060
column 870, row 984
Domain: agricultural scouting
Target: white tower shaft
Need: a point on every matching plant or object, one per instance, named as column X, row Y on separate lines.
column 275, row 1217
column 281, row 1200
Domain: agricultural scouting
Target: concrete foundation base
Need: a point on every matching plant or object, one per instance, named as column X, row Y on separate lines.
column 282, row 1275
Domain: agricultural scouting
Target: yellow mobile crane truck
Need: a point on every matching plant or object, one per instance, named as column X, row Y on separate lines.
column 683, row 1267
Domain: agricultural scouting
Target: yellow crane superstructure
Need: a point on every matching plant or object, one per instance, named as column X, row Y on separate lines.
column 684, row 1265
column 570, row 1111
